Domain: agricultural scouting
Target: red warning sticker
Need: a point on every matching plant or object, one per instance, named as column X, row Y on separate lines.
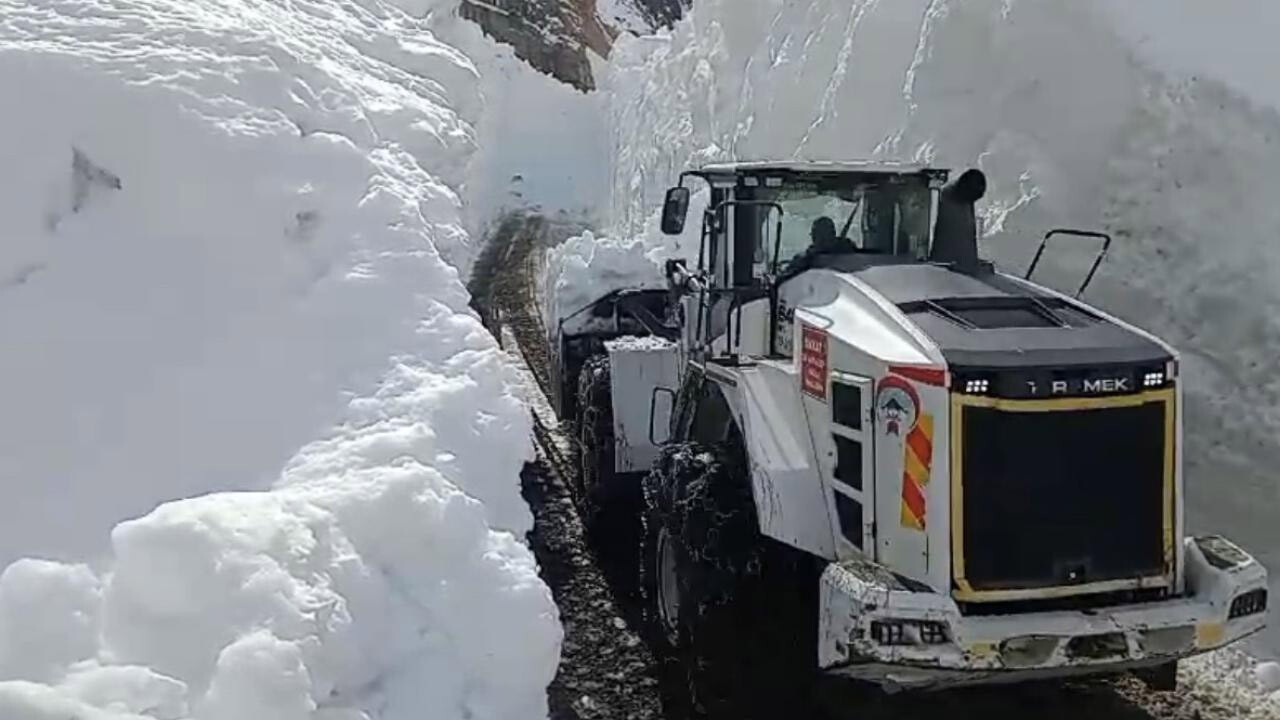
column 813, row 361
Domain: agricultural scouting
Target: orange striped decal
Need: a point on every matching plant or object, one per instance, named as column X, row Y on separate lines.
column 917, row 464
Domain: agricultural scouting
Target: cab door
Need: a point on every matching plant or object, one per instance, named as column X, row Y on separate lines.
column 851, row 466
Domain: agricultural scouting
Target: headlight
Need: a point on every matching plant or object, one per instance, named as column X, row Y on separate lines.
column 909, row 632
column 1250, row 603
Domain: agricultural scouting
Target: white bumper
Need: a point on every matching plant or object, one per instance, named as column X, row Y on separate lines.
column 1025, row 646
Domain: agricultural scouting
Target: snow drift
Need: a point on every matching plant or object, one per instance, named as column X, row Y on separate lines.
column 231, row 228
column 1100, row 114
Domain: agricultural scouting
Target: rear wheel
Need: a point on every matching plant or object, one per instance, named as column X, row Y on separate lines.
column 668, row 584
column 608, row 501
column 595, row 435
column 735, row 610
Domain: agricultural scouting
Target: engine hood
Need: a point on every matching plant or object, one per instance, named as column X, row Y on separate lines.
column 990, row 320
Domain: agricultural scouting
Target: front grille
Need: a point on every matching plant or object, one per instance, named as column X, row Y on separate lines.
column 1091, row 601
column 1062, row 498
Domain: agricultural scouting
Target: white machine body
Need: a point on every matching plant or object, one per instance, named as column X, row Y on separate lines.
column 992, row 470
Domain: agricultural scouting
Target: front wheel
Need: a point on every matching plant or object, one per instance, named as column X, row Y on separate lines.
column 735, row 609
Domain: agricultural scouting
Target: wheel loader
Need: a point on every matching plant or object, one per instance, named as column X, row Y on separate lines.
column 846, row 445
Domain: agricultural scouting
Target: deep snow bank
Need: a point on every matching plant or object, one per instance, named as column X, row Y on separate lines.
column 546, row 144
column 1102, row 113
column 229, row 229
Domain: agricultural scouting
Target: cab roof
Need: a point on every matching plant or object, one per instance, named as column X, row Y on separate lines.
column 819, row 167
column 826, row 167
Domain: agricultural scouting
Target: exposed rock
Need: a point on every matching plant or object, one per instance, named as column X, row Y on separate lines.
column 554, row 36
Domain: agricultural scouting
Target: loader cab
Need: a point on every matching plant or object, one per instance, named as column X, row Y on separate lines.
column 767, row 223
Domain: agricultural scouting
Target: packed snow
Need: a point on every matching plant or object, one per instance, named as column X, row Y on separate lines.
column 235, row 242
column 1154, row 120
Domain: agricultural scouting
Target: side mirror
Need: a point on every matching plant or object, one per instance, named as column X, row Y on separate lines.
column 659, row 413
column 674, row 210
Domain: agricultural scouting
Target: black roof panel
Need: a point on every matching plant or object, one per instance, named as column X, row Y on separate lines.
column 991, row 320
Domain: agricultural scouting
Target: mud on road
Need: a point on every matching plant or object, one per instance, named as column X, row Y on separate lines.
column 607, row 672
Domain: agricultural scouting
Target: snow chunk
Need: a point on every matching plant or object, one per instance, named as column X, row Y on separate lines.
column 583, row 269
column 373, row 576
column 48, row 619
column 649, row 343
column 1268, row 676
column 259, row 676
column 128, row 689
column 31, row 701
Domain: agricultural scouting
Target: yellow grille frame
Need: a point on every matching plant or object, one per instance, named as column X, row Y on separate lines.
column 964, row 591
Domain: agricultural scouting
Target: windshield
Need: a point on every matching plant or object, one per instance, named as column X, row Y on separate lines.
column 883, row 217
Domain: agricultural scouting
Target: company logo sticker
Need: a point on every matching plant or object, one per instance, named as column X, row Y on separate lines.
column 898, row 413
column 813, row 361
column 897, row 405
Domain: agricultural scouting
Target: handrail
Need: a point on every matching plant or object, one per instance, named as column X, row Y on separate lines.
column 1097, row 262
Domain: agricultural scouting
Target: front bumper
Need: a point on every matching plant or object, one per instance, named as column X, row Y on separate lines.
column 1027, row 646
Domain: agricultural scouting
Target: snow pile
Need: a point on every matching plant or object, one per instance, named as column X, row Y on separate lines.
column 230, row 229
column 546, row 143
column 586, row 267
column 1126, row 116
column 631, row 343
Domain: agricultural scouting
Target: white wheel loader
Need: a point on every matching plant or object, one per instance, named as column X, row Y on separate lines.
column 845, row 444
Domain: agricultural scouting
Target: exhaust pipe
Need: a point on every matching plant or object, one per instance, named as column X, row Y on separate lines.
column 955, row 238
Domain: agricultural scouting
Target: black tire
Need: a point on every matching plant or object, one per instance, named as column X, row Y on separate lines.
column 595, row 435
column 609, row 502
column 1161, row 678
column 745, row 630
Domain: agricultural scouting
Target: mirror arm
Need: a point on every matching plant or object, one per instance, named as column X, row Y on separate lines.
column 777, row 243
column 707, row 220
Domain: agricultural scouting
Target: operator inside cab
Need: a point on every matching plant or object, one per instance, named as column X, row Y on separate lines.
column 877, row 230
column 840, row 221
column 822, row 237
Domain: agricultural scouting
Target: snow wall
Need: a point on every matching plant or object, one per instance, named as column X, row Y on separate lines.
column 1151, row 119
column 232, row 230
